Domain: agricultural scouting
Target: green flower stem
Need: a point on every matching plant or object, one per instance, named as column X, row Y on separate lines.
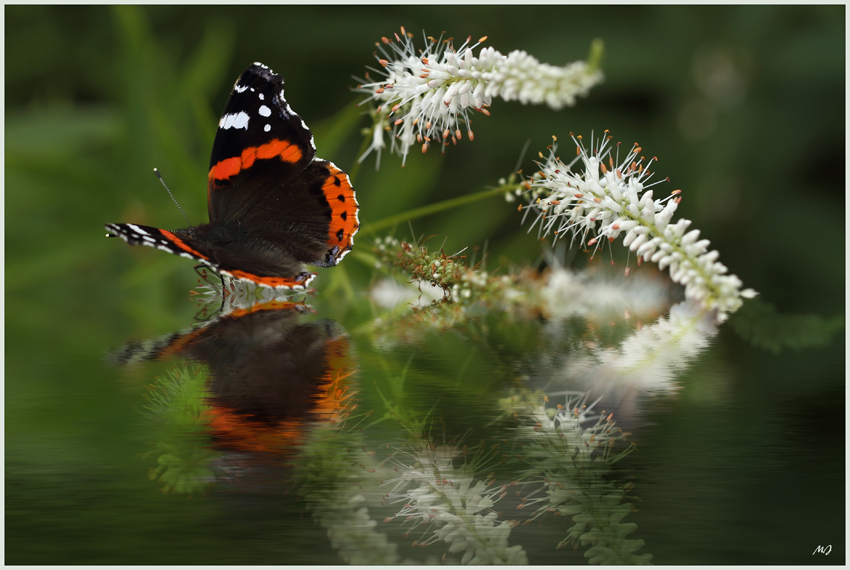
column 396, row 219
column 594, row 58
column 355, row 168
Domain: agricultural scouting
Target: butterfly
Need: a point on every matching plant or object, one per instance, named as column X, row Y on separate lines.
column 273, row 206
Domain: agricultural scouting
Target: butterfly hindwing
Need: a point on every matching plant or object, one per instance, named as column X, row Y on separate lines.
column 230, row 253
column 314, row 217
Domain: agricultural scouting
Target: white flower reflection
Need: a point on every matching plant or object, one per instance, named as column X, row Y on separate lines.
column 649, row 361
column 569, row 451
column 389, row 293
column 452, row 503
column 594, row 294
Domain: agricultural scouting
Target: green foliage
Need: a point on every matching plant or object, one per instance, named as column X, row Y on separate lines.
column 763, row 326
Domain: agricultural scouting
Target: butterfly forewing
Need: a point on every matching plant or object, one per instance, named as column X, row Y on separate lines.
column 261, row 145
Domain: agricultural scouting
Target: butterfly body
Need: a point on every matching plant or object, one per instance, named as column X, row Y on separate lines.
column 273, row 206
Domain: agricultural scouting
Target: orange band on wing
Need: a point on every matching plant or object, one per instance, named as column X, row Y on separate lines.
column 180, row 343
column 284, row 150
column 287, row 151
column 298, row 281
column 267, row 306
column 179, row 243
column 241, row 433
column 344, row 208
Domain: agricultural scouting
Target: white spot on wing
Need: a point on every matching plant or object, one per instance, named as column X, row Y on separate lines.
column 137, row 229
column 262, row 97
column 239, row 88
column 234, row 121
column 265, row 111
column 267, row 128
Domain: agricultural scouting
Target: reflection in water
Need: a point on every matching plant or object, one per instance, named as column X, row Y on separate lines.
column 443, row 489
column 458, row 496
column 253, row 381
column 557, row 458
column 260, row 387
column 186, row 463
column 570, row 463
column 649, row 360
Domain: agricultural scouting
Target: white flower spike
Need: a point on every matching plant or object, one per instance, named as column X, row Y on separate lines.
column 609, row 201
column 428, row 96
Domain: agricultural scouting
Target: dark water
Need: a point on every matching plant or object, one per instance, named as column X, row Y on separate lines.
column 278, row 434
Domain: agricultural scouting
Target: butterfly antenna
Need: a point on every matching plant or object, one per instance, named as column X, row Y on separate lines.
column 522, row 154
column 158, row 175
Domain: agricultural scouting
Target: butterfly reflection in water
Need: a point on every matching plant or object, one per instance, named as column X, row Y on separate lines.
column 268, row 377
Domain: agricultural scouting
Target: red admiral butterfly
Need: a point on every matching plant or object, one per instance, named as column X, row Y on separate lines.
column 273, row 205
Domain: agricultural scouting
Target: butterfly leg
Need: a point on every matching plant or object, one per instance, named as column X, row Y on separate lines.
column 201, row 270
column 202, row 315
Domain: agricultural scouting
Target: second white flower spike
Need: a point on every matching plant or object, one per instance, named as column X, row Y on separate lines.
column 610, row 201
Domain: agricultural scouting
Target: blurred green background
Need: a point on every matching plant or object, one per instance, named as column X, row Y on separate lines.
column 743, row 106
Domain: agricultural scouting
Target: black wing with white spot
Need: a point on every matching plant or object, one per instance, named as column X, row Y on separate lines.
column 261, row 145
